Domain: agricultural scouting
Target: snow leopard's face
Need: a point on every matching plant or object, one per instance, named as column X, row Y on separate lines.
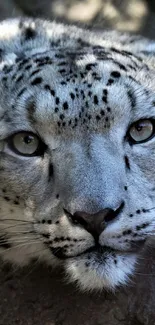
column 77, row 156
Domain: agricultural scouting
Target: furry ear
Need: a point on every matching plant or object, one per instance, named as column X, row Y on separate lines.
column 143, row 48
column 139, row 44
column 148, row 48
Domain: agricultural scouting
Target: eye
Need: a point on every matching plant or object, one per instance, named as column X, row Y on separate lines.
column 141, row 131
column 26, row 144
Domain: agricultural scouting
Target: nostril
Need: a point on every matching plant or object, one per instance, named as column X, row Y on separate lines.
column 119, row 209
column 68, row 214
column 78, row 219
column 110, row 216
column 73, row 218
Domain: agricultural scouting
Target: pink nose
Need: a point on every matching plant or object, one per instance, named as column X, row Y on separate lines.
column 94, row 223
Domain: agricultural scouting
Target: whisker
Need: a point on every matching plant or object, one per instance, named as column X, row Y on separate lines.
column 6, row 219
column 32, row 269
column 146, row 274
column 21, row 245
column 12, row 226
column 21, row 232
column 150, row 209
column 39, row 251
column 22, row 240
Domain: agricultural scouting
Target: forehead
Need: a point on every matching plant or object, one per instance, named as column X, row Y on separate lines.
column 63, row 90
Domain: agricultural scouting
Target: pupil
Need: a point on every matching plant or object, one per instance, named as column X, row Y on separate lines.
column 28, row 139
column 139, row 128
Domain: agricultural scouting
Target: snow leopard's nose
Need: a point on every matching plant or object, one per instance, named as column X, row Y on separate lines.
column 97, row 222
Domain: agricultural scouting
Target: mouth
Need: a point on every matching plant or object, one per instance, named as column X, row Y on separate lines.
column 60, row 252
column 98, row 249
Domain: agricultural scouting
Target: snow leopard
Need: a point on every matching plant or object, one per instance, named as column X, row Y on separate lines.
column 77, row 149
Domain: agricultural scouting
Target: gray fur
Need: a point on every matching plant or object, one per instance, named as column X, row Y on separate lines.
column 79, row 91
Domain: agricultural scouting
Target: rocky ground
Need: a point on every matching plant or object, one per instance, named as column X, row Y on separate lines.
column 36, row 295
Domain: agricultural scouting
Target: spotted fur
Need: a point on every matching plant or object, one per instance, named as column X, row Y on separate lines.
column 79, row 91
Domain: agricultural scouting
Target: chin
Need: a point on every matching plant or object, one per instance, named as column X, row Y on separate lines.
column 98, row 271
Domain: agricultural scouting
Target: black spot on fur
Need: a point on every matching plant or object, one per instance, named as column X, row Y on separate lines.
column 65, row 105
column 52, row 92
column 28, row 67
column 102, row 112
column 46, row 236
column 34, row 72
column 19, row 78
column 4, row 79
column 115, row 74
column 104, row 98
column 7, row 69
column 21, row 92
column 47, row 87
column 72, row 96
column 95, row 100
column 132, row 98
column 127, row 232
column 110, row 82
column 98, row 117
column 122, row 66
column 62, row 116
column 89, row 66
column 127, row 163
column 6, row 198
column 56, row 110
column 29, row 33
column 63, row 83
column 36, row 81
column 105, row 92
column 16, row 202
column 1, row 53
column 50, row 172
column 144, row 225
column 57, row 100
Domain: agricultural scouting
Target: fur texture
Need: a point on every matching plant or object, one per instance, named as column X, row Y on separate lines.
column 78, row 91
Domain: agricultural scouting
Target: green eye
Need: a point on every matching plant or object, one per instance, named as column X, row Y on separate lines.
column 141, row 131
column 26, row 144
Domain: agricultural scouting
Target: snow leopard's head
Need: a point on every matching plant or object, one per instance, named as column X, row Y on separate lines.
column 77, row 153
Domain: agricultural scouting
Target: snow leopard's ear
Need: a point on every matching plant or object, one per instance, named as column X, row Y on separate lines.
column 139, row 44
column 145, row 49
column 148, row 49
column 135, row 43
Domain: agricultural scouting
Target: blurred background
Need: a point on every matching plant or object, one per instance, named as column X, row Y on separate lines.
column 136, row 16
